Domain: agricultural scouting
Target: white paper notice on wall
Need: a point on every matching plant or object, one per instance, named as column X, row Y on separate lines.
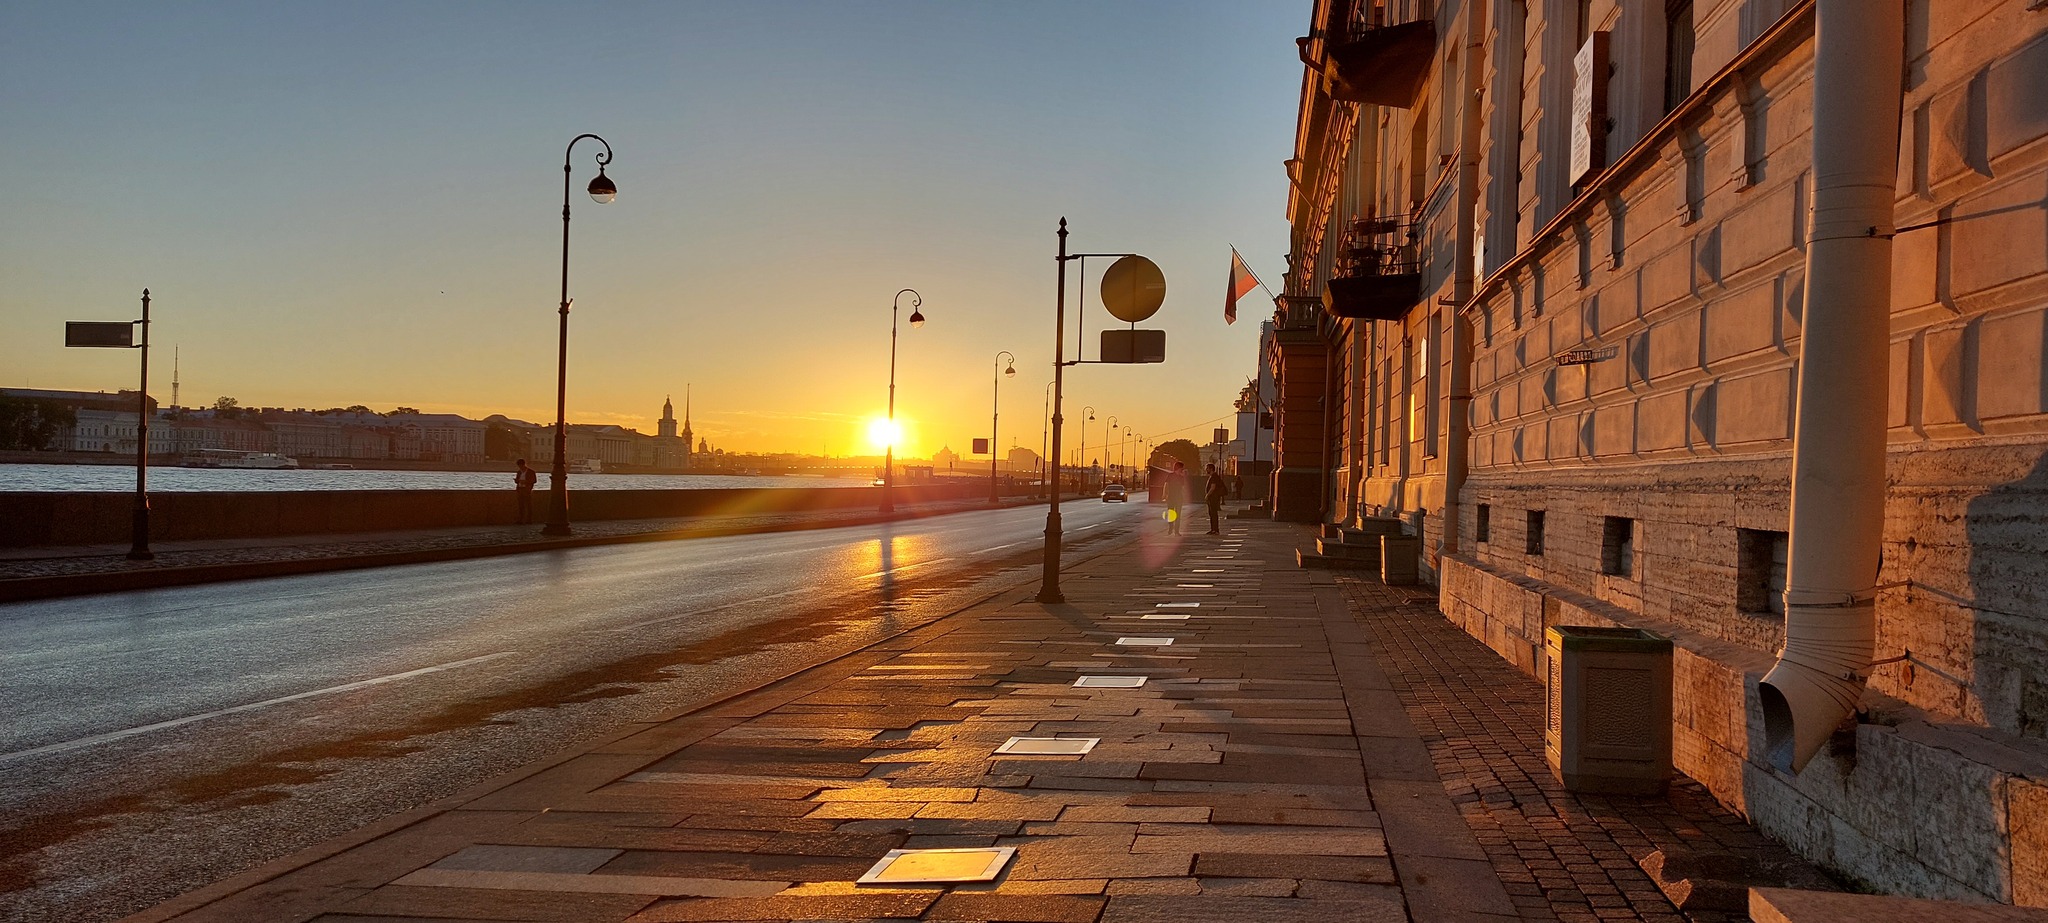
column 1589, row 107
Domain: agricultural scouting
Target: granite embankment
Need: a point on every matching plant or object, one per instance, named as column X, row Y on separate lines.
column 56, row 519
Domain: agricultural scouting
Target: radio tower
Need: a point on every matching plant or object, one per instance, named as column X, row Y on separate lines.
column 174, row 378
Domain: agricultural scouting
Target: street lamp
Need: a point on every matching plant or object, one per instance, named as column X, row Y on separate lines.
column 889, row 455
column 996, row 414
column 603, row 192
column 1081, row 457
column 1108, row 446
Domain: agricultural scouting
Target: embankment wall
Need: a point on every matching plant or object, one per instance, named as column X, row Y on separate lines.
column 37, row 519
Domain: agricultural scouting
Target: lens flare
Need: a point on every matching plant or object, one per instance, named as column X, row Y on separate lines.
column 884, row 433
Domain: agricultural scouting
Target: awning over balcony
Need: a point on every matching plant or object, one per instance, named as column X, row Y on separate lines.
column 1384, row 65
column 1373, row 297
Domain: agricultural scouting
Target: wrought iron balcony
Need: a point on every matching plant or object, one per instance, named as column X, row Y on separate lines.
column 1379, row 272
column 1384, row 65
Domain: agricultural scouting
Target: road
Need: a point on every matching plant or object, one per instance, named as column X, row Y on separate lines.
column 158, row 741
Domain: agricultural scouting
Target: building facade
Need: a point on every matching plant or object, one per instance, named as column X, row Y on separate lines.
column 1558, row 260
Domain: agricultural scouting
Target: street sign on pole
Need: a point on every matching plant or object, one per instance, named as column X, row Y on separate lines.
column 1133, row 346
column 111, row 334
column 121, row 335
column 981, row 446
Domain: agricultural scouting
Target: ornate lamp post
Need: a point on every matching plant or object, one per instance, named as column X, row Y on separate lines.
column 603, row 191
column 889, row 454
column 996, row 414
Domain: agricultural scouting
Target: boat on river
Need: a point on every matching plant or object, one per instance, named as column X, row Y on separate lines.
column 236, row 458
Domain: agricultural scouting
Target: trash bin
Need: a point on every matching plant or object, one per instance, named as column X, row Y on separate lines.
column 1609, row 727
column 1398, row 554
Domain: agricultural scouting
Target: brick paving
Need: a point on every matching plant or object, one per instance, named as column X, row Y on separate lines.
column 1563, row 856
column 1291, row 756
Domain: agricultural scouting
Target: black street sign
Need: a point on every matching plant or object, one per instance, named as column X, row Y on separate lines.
column 116, row 334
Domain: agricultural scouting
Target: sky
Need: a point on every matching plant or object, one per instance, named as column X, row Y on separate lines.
column 359, row 203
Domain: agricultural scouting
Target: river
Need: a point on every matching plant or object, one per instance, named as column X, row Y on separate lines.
column 99, row 478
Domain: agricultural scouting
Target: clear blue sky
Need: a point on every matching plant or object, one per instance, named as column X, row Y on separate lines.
column 358, row 202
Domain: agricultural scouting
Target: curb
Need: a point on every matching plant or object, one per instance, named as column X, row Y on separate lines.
column 22, row 589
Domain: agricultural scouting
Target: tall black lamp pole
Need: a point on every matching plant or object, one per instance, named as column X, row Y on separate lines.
column 889, row 454
column 1049, row 580
column 138, row 548
column 994, row 415
column 602, row 190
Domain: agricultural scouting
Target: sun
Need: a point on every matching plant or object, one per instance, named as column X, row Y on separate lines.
column 884, row 433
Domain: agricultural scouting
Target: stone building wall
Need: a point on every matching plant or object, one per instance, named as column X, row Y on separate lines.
column 1662, row 474
column 1649, row 486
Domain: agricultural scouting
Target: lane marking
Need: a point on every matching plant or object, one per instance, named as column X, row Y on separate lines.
column 719, row 608
column 900, row 568
column 238, row 709
column 997, row 548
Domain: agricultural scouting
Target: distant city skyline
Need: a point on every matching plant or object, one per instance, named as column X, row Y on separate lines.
column 360, row 204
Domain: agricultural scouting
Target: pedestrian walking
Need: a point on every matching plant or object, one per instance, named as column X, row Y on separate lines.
column 1176, row 496
column 522, row 484
column 1213, row 493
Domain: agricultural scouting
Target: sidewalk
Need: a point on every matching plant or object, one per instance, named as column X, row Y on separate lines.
column 1305, row 747
column 42, row 572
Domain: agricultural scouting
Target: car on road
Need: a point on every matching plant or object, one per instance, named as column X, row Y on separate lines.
column 1115, row 493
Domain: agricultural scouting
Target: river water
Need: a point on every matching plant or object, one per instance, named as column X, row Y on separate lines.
column 93, row 478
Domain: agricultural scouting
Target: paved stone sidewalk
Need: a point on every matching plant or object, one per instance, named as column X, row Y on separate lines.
column 1563, row 856
column 1268, row 769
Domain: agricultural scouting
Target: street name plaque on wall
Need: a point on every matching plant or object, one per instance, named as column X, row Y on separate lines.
column 1586, row 356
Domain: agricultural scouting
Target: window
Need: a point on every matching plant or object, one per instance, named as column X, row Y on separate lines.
column 1678, row 43
column 1532, row 543
column 1484, row 531
column 1760, row 571
column 1618, row 547
column 1582, row 23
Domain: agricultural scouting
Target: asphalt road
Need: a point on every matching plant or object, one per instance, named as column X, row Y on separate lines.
column 154, row 742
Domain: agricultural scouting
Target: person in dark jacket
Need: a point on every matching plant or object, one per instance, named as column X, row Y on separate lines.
column 522, row 483
column 1176, row 496
column 1213, row 493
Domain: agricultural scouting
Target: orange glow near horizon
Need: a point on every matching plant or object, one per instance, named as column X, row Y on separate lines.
column 884, row 433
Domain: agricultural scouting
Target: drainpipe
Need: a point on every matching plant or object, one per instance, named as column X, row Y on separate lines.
column 1329, row 401
column 1354, row 436
column 1838, row 440
column 1457, row 411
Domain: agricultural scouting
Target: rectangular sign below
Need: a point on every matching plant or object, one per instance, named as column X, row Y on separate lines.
column 114, row 334
column 981, row 446
column 1130, row 346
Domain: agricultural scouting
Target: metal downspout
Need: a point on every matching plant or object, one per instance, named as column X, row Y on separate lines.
column 1838, row 442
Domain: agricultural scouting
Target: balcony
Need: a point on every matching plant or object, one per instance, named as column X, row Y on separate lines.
column 1379, row 272
column 1383, row 65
